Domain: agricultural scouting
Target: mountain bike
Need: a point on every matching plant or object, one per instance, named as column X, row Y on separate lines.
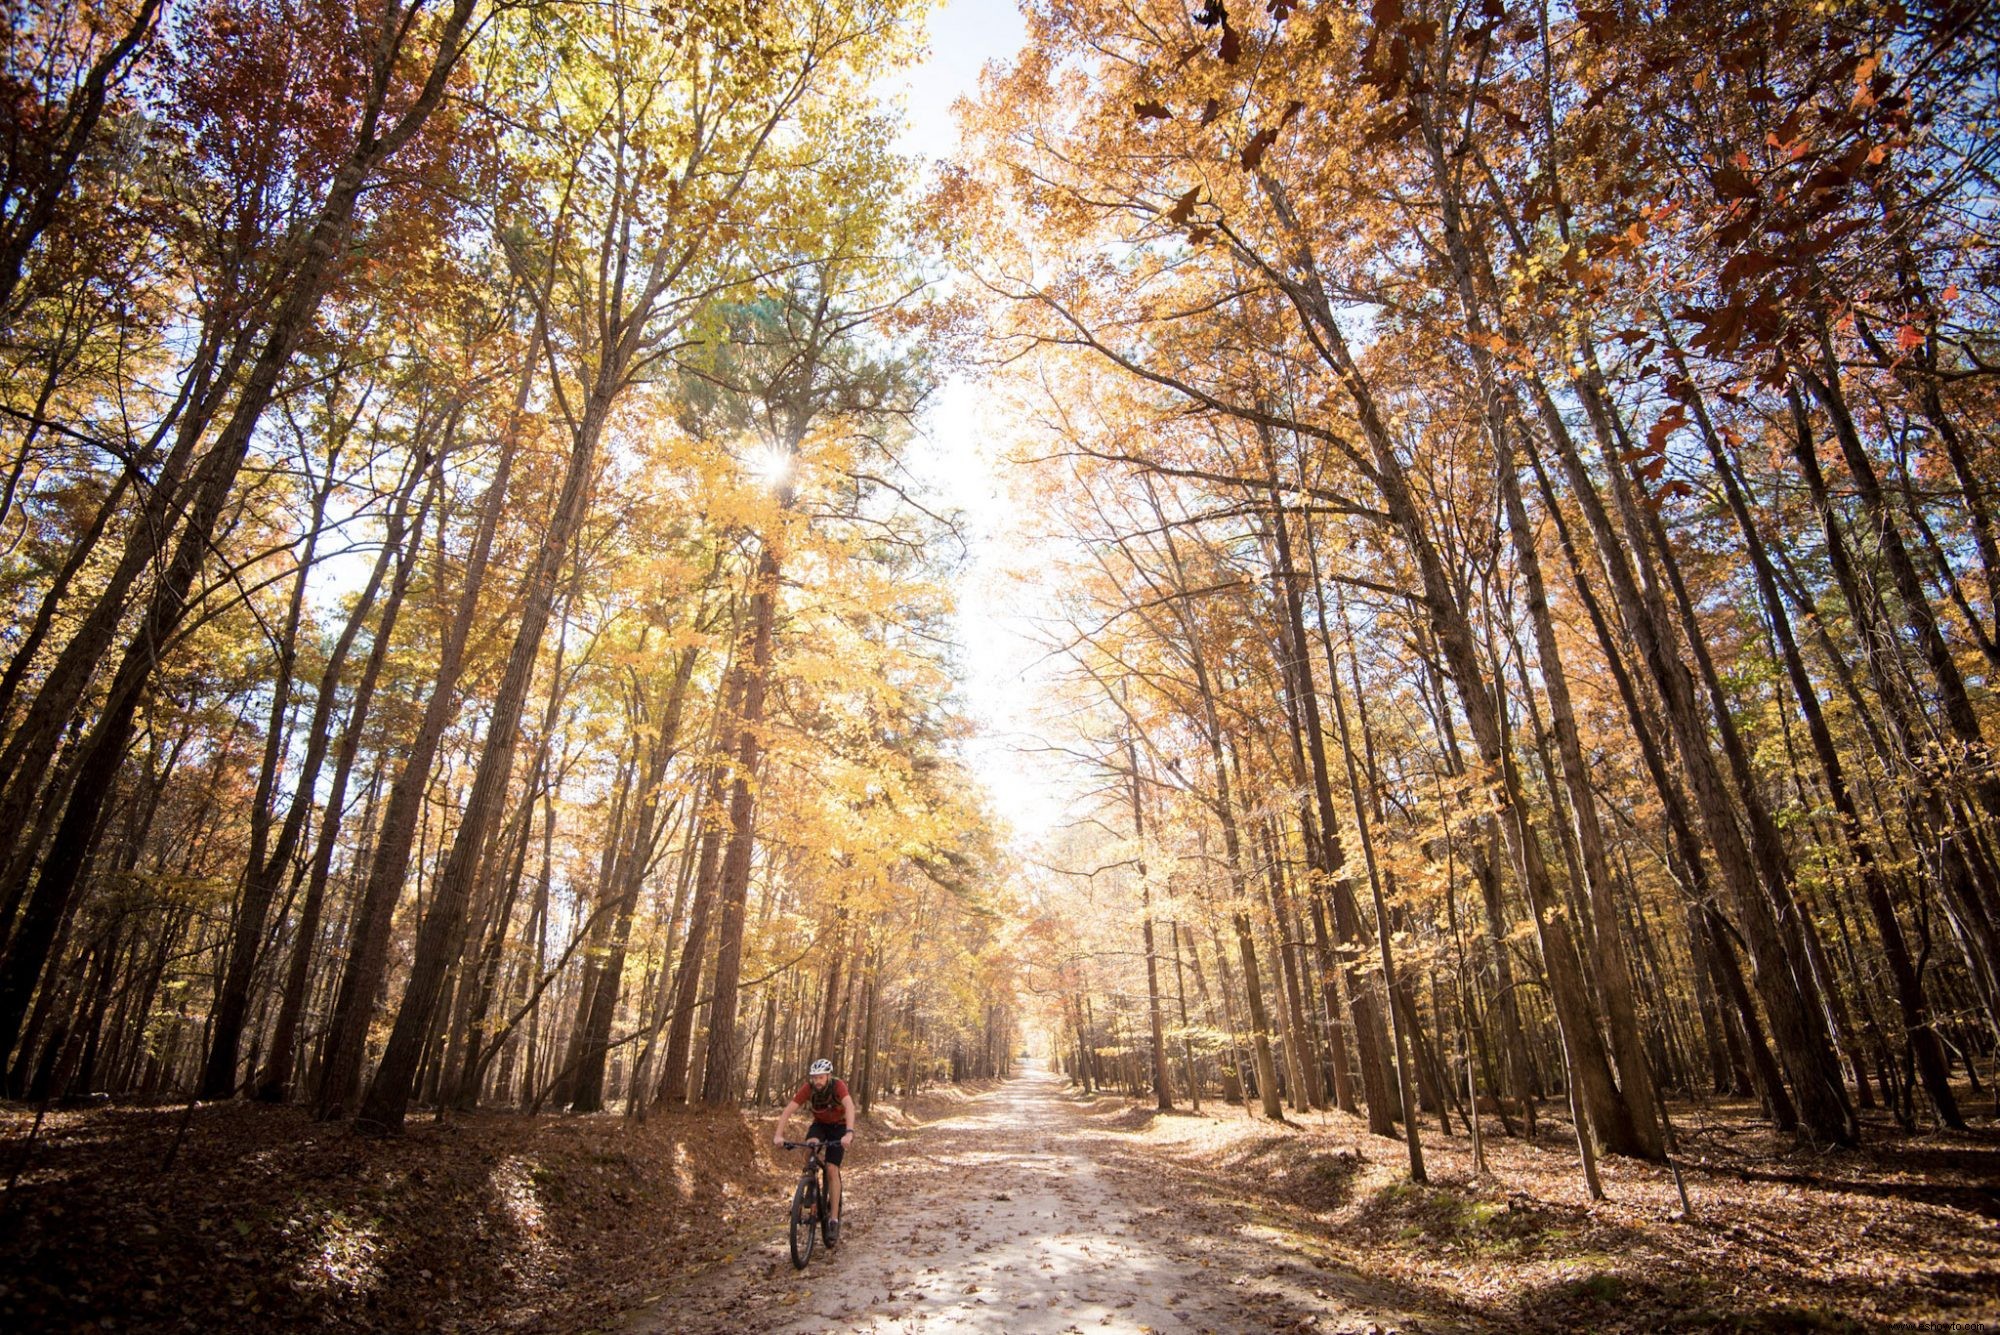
column 811, row 1203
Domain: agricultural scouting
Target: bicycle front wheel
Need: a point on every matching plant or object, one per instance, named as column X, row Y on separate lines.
column 805, row 1222
column 826, row 1215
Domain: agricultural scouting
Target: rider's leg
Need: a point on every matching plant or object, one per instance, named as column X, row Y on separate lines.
column 833, row 1192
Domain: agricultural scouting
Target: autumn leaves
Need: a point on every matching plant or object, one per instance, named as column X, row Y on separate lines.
column 1545, row 322
column 584, row 328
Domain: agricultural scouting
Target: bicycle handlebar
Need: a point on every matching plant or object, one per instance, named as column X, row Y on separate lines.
column 809, row 1144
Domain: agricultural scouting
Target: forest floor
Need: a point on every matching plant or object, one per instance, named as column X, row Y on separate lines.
column 1034, row 1209
column 265, row 1220
column 1019, row 1207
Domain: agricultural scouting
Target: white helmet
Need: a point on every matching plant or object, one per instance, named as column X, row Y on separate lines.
column 821, row 1067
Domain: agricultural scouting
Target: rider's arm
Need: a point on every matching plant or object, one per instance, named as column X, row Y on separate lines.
column 847, row 1105
column 778, row 1136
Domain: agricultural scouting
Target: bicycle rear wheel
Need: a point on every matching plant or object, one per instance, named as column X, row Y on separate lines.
column 805, row 1221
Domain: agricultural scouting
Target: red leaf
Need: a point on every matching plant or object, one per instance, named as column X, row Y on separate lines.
column 1909, row 338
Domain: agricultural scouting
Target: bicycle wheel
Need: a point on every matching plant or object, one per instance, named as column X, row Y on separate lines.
column 826, row 1215
column 805, row 1221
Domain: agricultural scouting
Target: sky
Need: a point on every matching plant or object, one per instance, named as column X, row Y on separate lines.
column 965, row 432
column 964, row 35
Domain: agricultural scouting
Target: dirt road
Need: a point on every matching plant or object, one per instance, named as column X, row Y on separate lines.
column 1026, row 1214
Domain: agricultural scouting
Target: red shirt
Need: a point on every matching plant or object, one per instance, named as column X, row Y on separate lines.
column 835, row 1111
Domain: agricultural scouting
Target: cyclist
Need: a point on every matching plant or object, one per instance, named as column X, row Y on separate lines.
column 832, row 1122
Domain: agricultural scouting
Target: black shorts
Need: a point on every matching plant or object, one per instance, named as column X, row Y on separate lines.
column 830, row 1132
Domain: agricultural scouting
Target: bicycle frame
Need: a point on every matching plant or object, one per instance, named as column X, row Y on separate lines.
column 815, row 1165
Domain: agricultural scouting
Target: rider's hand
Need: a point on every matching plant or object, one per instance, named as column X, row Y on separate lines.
column 847, row 1140
column 779, row 1141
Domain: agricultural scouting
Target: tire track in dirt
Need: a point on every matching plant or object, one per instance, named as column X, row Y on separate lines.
column 1010, row 1217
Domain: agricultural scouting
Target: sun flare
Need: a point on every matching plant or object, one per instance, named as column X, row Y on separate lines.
column 769, row 465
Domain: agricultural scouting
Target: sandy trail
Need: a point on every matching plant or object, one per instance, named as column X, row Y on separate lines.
column 1012, row 1216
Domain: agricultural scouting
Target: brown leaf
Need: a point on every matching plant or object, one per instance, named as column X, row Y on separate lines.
column 1670, row 421
column 1212, row 13
column 1183, row 208
column 1260, row 143
column 1151, row 111
column 1387, row 71
column 1735, row 233
column 1598, row 23
column 1731, row 182
column 1232, row 46
column 1391, row 130
column 1746, row 266
column 1211, row 111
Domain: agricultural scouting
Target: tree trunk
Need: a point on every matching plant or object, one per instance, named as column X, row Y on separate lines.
column 719, row 1080
column 674, row 1071
column 274, row 1084
column 368, row 941
column 438, row 938
column 265, row 867
column 1908, row 987
column 1613, row 973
